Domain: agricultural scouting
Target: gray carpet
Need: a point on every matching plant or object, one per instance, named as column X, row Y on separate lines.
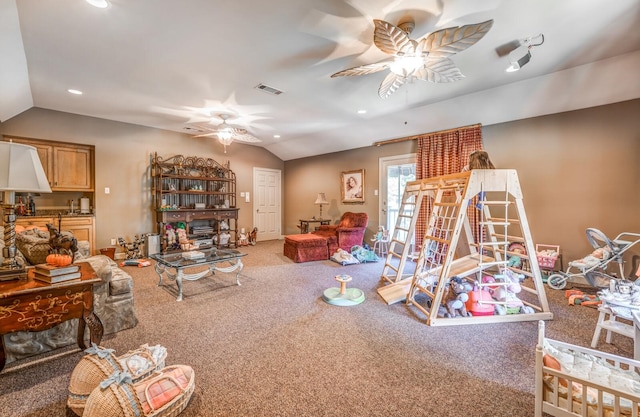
column 273, row 347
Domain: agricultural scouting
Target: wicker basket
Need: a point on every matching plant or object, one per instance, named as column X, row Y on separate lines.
column 119, row 397
column 99, row 363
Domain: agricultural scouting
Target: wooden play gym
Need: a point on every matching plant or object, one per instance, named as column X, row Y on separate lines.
column 449, row 249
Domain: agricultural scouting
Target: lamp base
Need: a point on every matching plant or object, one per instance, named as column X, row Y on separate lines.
column 9, row 274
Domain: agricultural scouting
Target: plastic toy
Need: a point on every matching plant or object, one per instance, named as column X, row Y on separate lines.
column 132, row 249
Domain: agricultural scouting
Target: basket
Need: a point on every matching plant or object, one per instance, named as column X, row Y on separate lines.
column 117, row 396
column 547, row 261
column 99, row 363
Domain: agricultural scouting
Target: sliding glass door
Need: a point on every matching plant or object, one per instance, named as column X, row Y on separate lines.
column 395, row 172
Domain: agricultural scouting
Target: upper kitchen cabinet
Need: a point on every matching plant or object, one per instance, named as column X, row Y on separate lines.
column 69, row 166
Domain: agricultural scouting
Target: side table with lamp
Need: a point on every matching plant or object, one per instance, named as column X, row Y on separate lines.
column 304, row 223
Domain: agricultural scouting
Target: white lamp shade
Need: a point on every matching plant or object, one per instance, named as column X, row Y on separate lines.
column 21, row 170
column 321, row 199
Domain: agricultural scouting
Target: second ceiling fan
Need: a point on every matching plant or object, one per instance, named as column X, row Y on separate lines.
column 227, row 133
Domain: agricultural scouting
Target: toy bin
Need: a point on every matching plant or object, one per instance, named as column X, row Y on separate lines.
column 547, row 256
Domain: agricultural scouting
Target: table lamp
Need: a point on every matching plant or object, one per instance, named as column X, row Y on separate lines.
column 321, row 199
column 21, row 171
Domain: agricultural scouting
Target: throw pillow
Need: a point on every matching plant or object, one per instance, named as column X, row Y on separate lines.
column 33, row 244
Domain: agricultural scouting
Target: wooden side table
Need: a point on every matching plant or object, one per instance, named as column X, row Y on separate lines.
column 31, row 305
column 304, row 224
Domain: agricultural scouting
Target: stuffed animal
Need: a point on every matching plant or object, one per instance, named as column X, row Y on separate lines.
column 170, row 235
column 506, row 294
column 253, row 236
column 456, row 297
column 181, row 233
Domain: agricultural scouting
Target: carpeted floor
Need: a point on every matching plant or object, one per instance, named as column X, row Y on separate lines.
column 273, row 347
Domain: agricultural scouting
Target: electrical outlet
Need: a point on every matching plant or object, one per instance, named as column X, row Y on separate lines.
column 113, row 241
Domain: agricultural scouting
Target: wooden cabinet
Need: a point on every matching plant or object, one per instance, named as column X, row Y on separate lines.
column 199, row 192
column 82, row 227
column 72, row 168
column 69, row 166
column 32, row 222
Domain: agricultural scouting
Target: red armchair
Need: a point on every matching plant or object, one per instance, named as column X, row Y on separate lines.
column 346, row 234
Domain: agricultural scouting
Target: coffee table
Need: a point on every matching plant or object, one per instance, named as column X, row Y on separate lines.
column 174, row 264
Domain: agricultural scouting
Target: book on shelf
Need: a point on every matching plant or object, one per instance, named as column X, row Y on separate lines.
column 57, row 278
column 52, row 270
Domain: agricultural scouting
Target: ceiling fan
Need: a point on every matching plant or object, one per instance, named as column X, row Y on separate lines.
column 227, row 133
column 423, row 59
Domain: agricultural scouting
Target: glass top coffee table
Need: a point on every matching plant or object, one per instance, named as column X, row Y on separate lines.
column 173, row 265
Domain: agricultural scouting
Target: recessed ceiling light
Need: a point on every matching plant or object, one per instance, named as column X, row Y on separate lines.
column 362, row 111
column 76, row 92
column 101, row 4
column 276, row 136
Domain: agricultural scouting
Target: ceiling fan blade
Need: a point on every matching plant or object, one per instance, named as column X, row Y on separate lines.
column 439, row 71
column 206, row 135
column 242, row 135
column 447, row 42
column 363, row 69
column 247, row 137
column 390, row 84
column 507, row 48
column 390, row 38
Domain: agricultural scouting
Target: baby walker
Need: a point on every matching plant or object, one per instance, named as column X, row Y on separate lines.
column 591, row 269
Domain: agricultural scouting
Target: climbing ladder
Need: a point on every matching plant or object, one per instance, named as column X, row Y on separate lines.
column 449, row 249
column 400, row 248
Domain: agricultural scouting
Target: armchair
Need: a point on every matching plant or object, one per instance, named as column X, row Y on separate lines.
column 346, row 234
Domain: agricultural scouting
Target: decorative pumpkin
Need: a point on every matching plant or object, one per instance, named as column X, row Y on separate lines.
column 59, row 259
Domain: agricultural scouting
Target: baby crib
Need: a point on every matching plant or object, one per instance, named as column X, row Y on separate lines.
column 572, row 381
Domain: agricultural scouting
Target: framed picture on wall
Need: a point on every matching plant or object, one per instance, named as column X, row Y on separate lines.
column 352, row 186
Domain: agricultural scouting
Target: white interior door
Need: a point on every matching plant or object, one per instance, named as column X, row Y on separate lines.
column 395, row 172
column 267, row 215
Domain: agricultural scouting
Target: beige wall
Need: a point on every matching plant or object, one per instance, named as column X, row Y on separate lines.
column 122, row 164
column 577, row 170
column 306, row 177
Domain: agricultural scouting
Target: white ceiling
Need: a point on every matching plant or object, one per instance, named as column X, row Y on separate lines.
column 165, row 63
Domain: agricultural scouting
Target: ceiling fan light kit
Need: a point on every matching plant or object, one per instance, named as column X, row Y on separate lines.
column 521, row 56
column 426, row 59
column 227, row 133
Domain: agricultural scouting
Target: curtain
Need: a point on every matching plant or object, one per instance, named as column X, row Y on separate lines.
column 442, row 153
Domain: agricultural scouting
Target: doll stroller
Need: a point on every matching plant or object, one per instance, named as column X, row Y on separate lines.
column 592, row 270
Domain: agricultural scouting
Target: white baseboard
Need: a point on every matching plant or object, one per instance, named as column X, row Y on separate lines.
column 120, row 256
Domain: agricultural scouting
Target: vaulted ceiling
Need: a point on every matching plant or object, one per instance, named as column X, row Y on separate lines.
column 178, row 65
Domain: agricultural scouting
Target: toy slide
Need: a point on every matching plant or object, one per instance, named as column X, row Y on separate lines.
column 461, row 267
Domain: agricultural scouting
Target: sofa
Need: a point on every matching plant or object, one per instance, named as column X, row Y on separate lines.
column 348, row 233
column 113, row 302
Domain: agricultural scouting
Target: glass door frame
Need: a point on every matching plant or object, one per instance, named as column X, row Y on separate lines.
column 383, row 164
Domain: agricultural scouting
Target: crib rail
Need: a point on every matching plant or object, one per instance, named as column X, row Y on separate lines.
column 559, row 393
